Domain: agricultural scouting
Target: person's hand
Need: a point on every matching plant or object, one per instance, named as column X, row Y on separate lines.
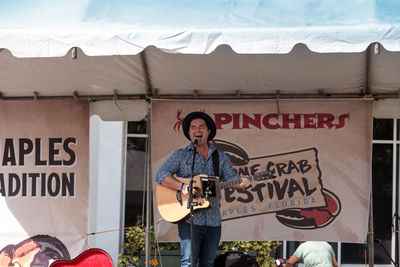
column 245, row 182
column 185, row 190
column 291, row 261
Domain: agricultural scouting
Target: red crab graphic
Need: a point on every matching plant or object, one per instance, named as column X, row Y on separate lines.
column 314, row 217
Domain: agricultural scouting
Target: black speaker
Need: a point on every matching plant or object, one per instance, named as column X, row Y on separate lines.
column 235, row 259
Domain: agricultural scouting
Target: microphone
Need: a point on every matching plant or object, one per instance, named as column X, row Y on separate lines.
column 196, row 140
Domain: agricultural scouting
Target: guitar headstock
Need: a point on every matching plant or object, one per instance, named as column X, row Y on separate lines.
column 261, row 176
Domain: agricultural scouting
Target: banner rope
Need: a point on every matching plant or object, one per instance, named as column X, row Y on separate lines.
column 119, row 229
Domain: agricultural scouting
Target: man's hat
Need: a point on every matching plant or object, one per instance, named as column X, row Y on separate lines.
column 199, row 115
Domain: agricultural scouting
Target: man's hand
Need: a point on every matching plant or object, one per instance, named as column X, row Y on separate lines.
column 185, row 190
column 245, row 183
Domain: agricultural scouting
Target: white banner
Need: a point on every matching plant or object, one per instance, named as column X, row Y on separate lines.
column 44, row 181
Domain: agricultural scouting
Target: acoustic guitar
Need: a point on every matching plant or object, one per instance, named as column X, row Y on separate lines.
column 172, row 204
column 90, row 258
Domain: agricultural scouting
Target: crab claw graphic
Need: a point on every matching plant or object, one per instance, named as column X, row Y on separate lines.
column 312, row 218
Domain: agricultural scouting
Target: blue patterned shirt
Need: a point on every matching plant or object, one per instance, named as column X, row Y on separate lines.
column 180, row 165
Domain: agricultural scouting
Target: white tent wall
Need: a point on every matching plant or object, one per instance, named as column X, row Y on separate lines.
column 107, row 183
column 222, row 73
column 62, row 76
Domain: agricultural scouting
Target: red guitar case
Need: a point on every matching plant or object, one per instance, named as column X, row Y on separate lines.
column 90, row 258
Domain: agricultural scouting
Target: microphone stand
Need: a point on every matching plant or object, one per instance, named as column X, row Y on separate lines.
column 190, row 205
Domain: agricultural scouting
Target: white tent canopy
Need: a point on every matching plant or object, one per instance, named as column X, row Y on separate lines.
column 189, row 49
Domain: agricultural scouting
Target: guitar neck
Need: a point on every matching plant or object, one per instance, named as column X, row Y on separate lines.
column 228, row 184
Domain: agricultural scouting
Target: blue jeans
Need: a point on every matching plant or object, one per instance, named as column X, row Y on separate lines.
column 206, row 239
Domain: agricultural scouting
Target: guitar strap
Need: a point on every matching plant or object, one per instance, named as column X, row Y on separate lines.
column 215, row 159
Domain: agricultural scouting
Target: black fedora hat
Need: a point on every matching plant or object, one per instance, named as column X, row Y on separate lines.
column 199, row 115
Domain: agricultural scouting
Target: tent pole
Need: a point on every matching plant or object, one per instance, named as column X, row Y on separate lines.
column 396, row 213
column 232, row 96
column 370, row 237
column 143, row 61
column 368, row 70
column 149, row 92
column 148, row 190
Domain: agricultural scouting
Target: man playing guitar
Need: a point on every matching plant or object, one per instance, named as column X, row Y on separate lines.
column 200, row 129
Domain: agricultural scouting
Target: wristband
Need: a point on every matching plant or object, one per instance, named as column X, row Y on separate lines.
column 182, row 186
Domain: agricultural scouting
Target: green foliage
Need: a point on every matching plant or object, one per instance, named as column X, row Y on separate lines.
column 263, row 249
column 135, row 243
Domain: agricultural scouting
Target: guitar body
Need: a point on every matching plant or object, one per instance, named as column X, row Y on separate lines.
column 90, row 258
column 169, row 206
column 172, row 204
